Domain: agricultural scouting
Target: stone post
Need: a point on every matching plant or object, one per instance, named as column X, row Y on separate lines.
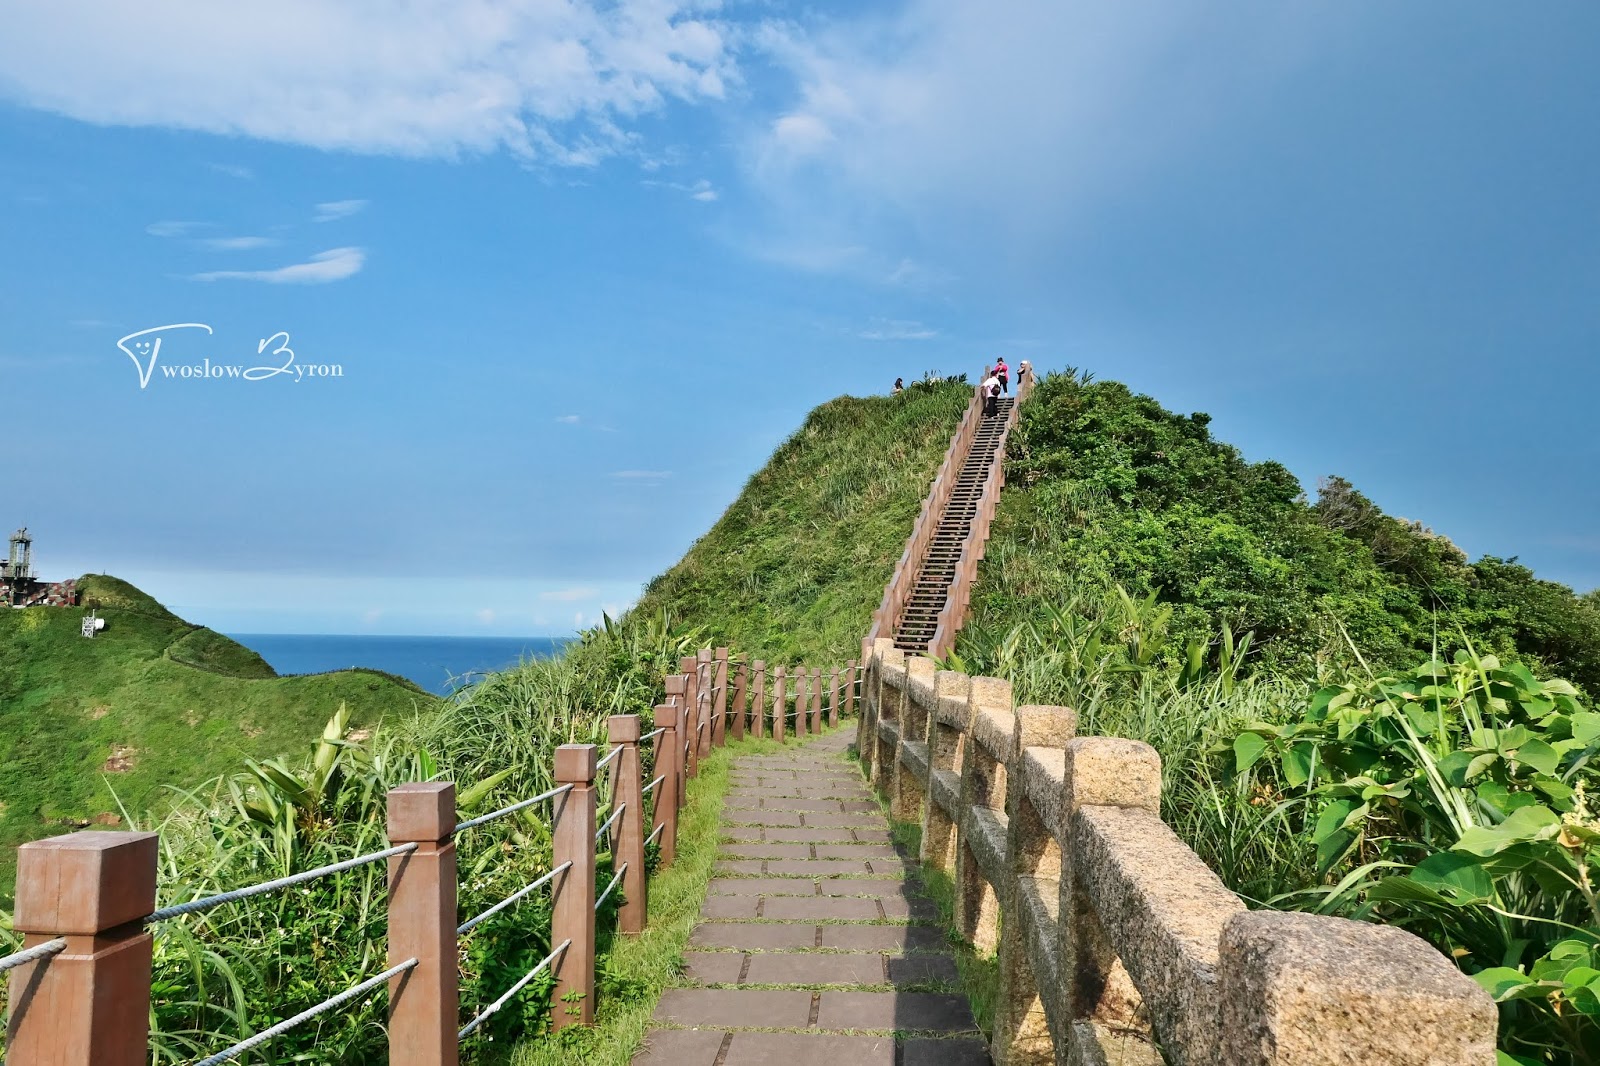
column 628, row 846
column 572, row 834
column 758, row 699
column 983, row 789
column 424, row 1002
column 1033, row 856
column 1309, row 990
column 669, row 767
column 89, row 1005
column 947, row 741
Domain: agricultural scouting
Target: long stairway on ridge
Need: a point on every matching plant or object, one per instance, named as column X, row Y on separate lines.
column 936, row 571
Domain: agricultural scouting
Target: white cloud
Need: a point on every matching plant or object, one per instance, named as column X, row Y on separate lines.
column 173, row 229
column 232, row 170
column 553, row 80
column 571, row 595
column 641, row 475
column 238, row 244
column 486, row 616
column 701, row 190
column 336, row 264
column 568, row 420
column 887, row 329
column 334, row 210
column 946, row 125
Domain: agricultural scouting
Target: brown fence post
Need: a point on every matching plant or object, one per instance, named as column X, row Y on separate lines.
column 629, row 847
column 572, row 833
column 833, row 699
column 705, row 683
column 802, row 700
column 816, row 699
column 850, row 688
column 719, row 706
column 780, row 703
column 691, row 738
column 758, row 698
column 669, row 767
column 88, row 1005
column 425, row 1001
column 741, row 679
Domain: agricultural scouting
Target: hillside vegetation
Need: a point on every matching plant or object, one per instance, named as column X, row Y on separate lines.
column 89, row 728
column 796, row 566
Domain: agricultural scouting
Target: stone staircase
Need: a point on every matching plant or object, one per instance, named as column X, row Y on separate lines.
column 936, row 572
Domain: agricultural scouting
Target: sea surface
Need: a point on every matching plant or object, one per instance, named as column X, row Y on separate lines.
column 438, row 664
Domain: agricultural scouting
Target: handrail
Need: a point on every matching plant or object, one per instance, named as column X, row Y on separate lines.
column 973, row 545
column 473, row 923
column 898, row 591
column 206, row 903
column 503, row 811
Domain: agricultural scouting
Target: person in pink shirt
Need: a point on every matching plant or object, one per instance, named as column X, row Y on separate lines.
column 1003, row 372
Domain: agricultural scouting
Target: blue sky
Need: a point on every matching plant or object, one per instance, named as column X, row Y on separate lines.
column 583, row 265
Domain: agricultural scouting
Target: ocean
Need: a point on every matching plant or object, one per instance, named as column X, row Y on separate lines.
column 438, row 664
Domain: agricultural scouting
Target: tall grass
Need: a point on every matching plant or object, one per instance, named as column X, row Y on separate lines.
column 226, row 973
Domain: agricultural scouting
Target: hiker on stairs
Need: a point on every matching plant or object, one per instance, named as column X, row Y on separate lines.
column 1003, row 372
column 991, row 394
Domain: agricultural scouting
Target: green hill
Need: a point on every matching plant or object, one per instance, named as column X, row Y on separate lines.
column 90, row 727
column 796, row 566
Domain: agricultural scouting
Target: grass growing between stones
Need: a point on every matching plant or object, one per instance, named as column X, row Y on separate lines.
column 633, row 975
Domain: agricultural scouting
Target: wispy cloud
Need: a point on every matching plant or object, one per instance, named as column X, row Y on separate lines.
column 887, row 329
column 553, row 82
column 173, row 228
column 238, row 244
column 334, row 210
column 701, row 190
column 232, row 170
column 571, row 595
column 568, row 420
column 641, row 475
column 336, row 264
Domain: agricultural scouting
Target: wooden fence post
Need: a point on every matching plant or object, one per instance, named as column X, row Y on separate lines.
column 833, row 699
column 705, row 682
column 88, row 1005
column 572, row 833
column 669, row 767
column 686, row 690
column 780, row 703
column 719, row 706
column 850, row 688
column 816, row 699
column 758, row 698
column 629, row 847
column 424, row 1002
column 740, row 680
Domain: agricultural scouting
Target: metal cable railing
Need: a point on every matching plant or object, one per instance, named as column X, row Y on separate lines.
column 651, row 839
column 609, row 822
column 483, row 1015
column 38, row 951
column 503, row 811
column 218, row 900
column 615, row 881
column 509, row 900
column 652, row 734
column 304, row 1016
column 612, row 754
column 646, row 790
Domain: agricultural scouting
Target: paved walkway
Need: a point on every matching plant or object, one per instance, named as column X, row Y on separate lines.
column 815, row 947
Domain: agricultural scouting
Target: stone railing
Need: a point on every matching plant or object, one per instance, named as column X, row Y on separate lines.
column 972, row 548
column 904, row 577
column 1117, row 944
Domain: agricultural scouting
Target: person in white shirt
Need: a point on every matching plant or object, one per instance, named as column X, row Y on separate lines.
column 991, row 394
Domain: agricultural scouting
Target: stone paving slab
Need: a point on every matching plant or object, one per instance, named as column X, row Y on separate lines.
column 809, row 1049
column 744, row 1008
column 855, row 851
column 931, row 1011
column 753, row 936
column 811, row 968
column 954, row 1052
column 899, row 938
column 825, row 868
column 808, row 908
column 680, row 1047
column 766, row 851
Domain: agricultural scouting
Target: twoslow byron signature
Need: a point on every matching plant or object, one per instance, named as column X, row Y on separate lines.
column 146, row 356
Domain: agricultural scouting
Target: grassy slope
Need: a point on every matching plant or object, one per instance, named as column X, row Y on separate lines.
column 797, row 565
column 67, row 704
